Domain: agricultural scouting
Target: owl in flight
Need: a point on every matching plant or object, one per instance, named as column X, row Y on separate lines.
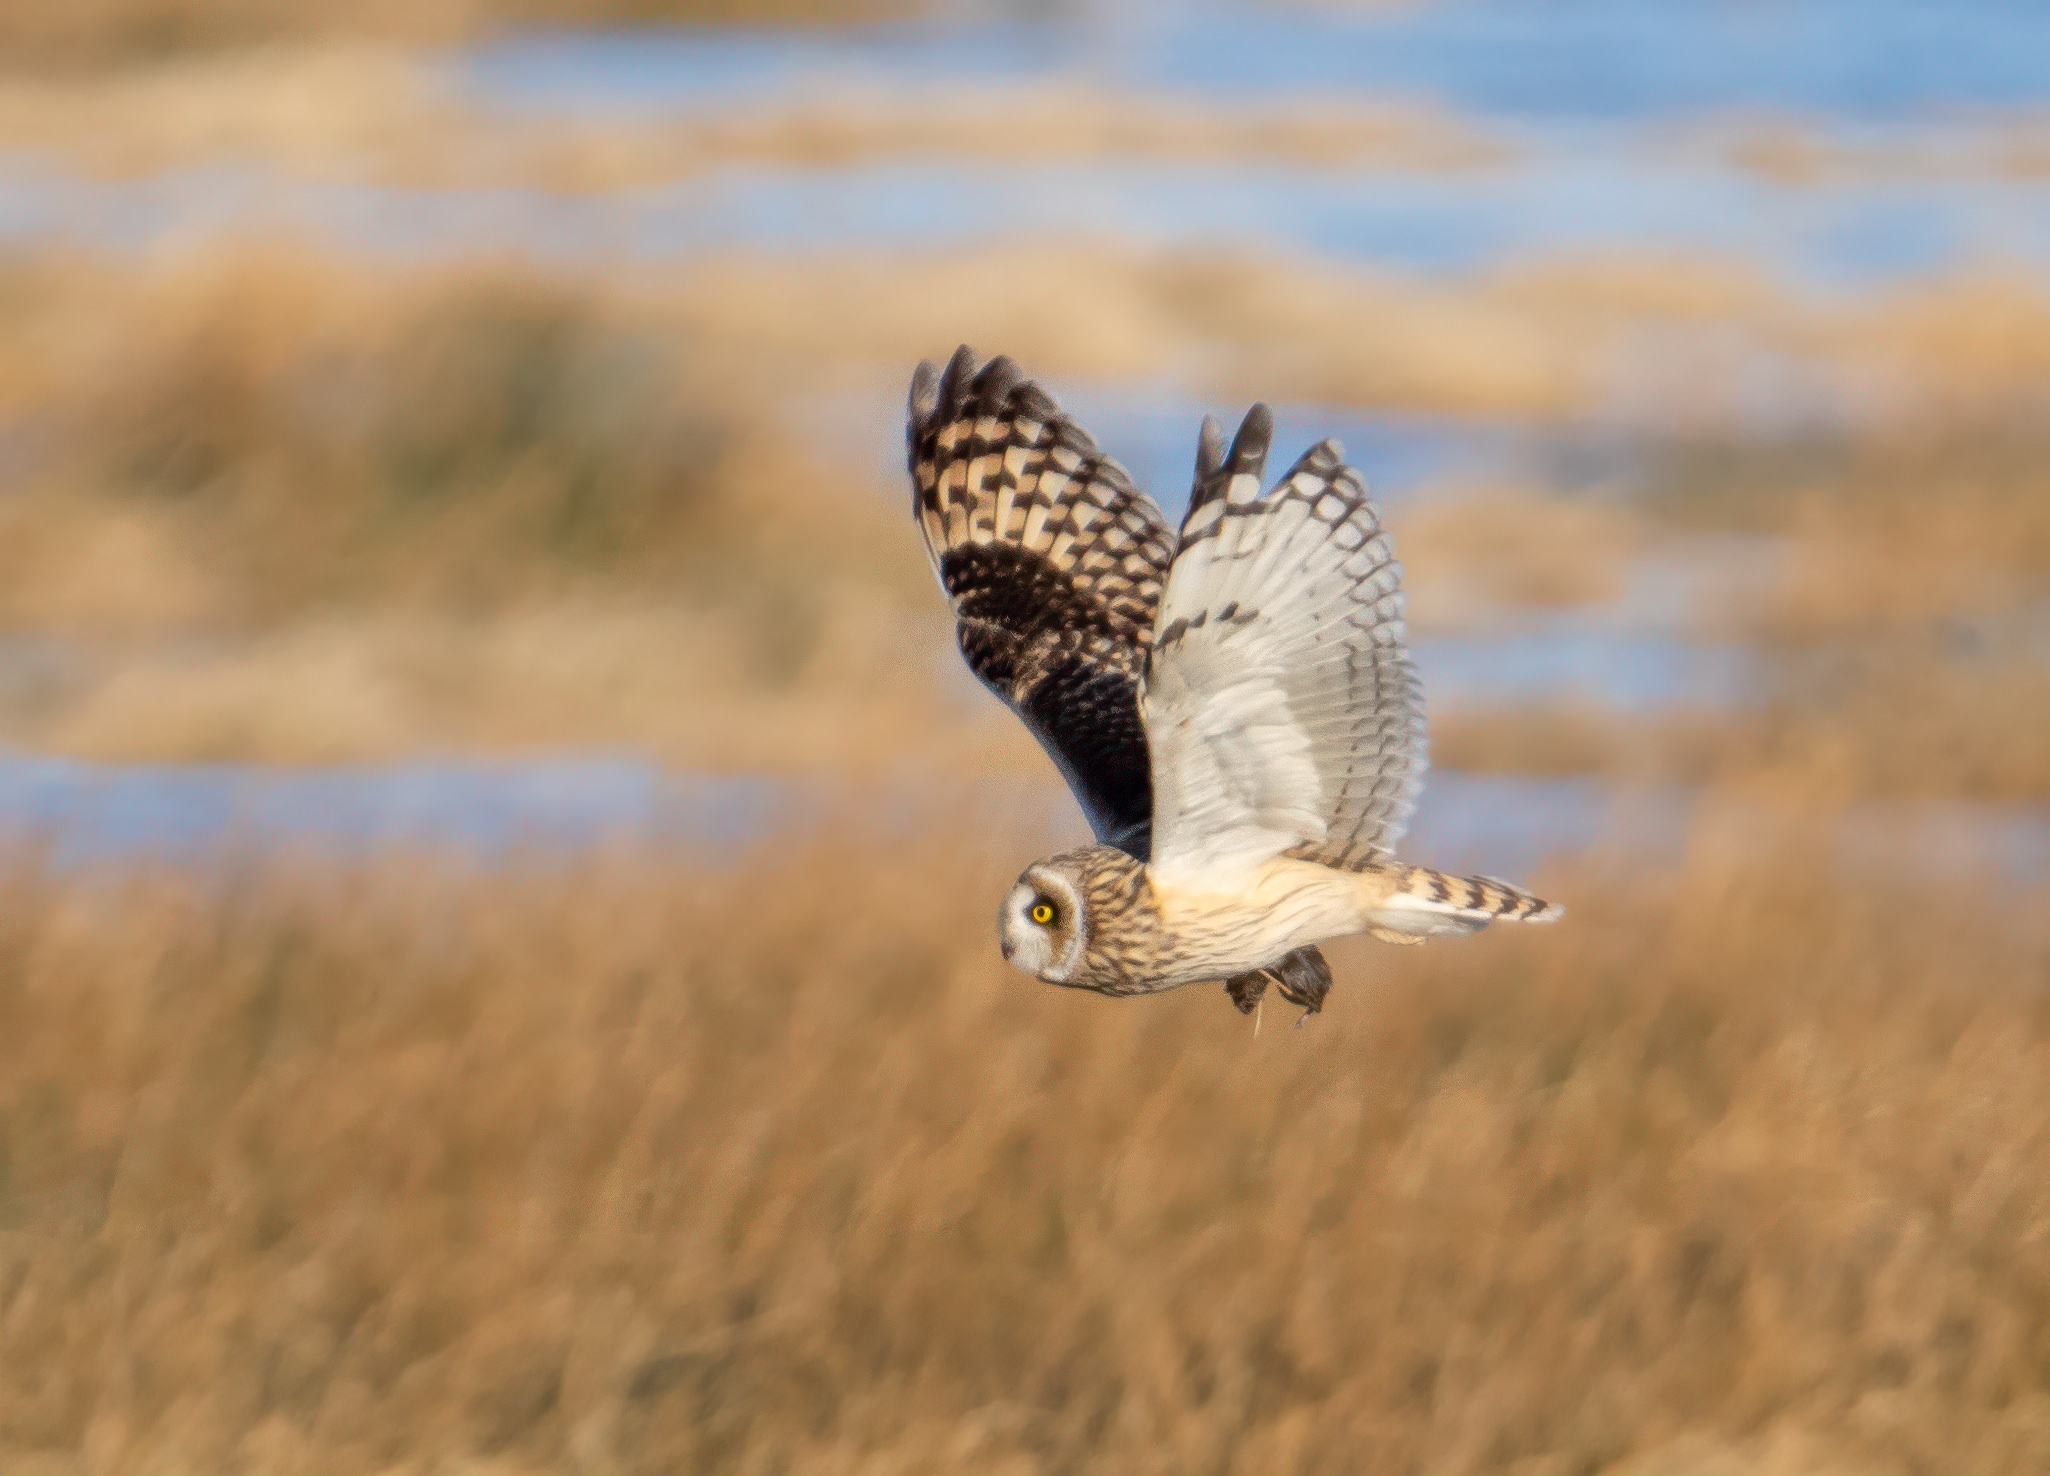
column 1233, row 706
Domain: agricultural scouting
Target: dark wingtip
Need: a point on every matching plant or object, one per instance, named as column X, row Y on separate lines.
column 1209, row 450
column 954, row 382
column 998, row 378
column 1248, row 454
column 925, row 394
column 939, row 397
column 1216, row 465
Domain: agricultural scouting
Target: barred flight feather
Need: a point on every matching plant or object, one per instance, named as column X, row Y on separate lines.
column 1284, row 708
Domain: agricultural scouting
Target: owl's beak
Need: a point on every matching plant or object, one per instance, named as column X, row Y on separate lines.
column 1005, row 945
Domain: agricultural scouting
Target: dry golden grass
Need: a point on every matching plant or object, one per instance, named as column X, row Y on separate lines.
column 1880, row 722
column 1561, row 341
column 646, row 1167
column 1909, row 718
column 79, row 35
column 280, row 435
column 845, row 683
column 272, row 509
column 1881, row 534
column 1557, row 738
column 1472, row 551
column 2012, row 144
column 1673, row 337
column 372, row 114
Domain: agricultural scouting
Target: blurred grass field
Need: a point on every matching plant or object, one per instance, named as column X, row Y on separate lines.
column 775, row 1167
column 621, row 1158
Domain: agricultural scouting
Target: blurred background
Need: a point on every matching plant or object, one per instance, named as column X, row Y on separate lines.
column 498, row 851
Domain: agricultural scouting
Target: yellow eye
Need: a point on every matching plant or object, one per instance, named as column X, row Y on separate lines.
column 1042, row 913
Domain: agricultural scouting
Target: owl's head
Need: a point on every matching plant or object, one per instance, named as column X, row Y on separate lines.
column 1044, row 925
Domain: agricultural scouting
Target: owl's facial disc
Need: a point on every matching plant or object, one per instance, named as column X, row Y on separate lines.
column 1041, row 926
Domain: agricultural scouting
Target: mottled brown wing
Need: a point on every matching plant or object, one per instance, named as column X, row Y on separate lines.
column 1054, row 562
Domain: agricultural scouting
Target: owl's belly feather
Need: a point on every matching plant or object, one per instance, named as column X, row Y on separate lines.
column 1216, row 932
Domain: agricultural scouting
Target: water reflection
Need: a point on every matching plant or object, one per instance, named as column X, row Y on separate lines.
column 1838, row 234
column 558, row 810
column 1608, row 60
column 1608, row 111
column 92, row 812
column 1586, row 660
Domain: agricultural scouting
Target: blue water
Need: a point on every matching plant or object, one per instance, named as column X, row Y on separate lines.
column 73, row 814
column 1601, row 60
column 81, row 812
column 1588, row 94
column 1845, row 234
column 77, row 813
column 1580, row 662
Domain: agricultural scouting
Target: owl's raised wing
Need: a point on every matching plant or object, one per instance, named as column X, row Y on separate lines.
column 1284, row 712
column 1054, row 564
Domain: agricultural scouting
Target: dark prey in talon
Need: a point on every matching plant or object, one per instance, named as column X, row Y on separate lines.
column 1233, row 704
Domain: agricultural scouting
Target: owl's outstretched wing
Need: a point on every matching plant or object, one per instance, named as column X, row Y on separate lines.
column 1284, row 710
column 1054, row 564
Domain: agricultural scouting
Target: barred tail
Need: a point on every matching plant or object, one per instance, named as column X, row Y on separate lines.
column 1414, row 903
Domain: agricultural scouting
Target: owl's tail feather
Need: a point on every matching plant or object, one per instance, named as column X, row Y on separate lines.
column 1414, row 903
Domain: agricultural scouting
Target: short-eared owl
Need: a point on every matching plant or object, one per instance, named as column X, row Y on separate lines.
column 1233, row 706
